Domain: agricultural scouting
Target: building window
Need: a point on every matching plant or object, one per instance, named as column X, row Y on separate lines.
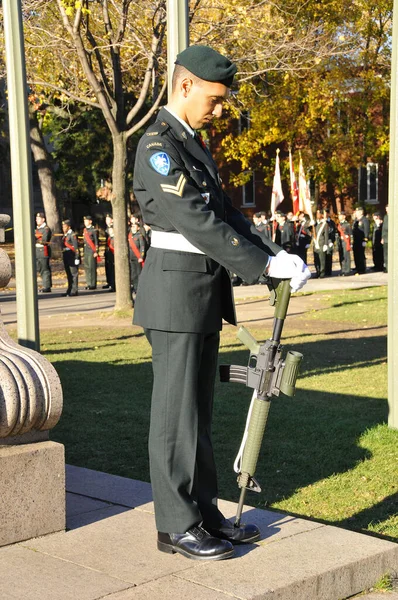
column 372, row 180
column 368, row 184
column 249, row 191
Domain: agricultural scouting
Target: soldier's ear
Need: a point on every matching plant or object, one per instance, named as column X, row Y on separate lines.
column 185, row 86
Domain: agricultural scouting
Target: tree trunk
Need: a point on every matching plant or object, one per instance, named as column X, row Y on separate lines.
column 46, row 175
column 122, row 267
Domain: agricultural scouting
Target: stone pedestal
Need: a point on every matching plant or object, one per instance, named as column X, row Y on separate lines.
column 32, row 469
column 32, row 498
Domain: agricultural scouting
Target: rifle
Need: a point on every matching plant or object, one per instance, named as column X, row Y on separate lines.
column 268, row 374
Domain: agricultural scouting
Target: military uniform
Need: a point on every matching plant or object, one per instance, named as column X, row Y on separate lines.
column 90, row 259
column 332, row 230
column 377, row 246
column 137, row 250
column 109, row 256
column 321, row 241
column 384, row 237
column 360, row 234
column 183, row 295
column 43, row 255
column 71, row 260
column 303, row 239
column 344, row 244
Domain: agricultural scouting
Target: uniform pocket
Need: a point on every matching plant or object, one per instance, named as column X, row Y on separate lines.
column 178, row 261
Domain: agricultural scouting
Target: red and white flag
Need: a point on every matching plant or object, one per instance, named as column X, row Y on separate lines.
column 277, row 194
column 304, row 191
column 293, row 186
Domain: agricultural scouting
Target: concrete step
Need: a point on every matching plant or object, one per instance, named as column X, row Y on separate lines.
column 110, row 552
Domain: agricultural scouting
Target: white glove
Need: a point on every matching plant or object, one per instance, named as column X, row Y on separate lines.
column 330, row 244
column 325, row 247
column 364, row 244
column 289, row 266
column 77, row 261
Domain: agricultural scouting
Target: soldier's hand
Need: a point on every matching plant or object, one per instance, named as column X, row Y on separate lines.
column 289, row 266
column 77, row 261
column 325, row 247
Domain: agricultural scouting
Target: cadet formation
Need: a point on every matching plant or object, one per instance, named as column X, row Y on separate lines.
column 348, row 235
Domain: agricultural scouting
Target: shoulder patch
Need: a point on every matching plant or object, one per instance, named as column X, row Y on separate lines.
column 160, row 161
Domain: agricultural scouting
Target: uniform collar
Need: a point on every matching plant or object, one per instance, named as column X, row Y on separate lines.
column 183, row 123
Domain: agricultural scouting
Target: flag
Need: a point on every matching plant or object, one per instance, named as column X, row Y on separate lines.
column 277, row 194
column 304, row 191
column 293, row 185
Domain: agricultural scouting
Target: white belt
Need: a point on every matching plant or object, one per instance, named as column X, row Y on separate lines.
column 168, row 240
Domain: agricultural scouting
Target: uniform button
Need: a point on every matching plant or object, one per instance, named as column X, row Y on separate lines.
column 204, row 183
column 234, row 241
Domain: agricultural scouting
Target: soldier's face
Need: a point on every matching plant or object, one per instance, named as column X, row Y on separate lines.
column 203, row 101
column 39, row 221
column 65, row 227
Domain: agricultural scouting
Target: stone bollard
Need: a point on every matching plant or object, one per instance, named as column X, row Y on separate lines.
column 32, row 468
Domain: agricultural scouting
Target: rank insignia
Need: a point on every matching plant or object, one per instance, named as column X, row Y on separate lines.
column 177, row 189
column 160, row 161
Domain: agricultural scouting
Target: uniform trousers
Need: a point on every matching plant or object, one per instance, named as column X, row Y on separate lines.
column 359, row 257
column 182, row 467
column 71, row 270
column 345, row 258
column 110, row 268
column 135, row 272
column 320, row 262
column 90, row 269
column 44, row 270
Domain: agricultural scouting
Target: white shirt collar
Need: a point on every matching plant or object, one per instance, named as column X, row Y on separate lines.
column 187, row 127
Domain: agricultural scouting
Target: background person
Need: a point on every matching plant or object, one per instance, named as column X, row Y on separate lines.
column 70, row 258
column 43, row 252
column 109, row 254
column 90, row 238
column 344, row 244
column 360, row 235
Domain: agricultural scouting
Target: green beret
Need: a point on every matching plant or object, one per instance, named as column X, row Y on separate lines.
column 207, row 64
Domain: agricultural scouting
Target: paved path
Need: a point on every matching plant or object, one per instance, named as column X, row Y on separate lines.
column 110, row 553
column 55, row 307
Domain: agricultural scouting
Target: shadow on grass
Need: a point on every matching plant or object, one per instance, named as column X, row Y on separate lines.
column 311, row 437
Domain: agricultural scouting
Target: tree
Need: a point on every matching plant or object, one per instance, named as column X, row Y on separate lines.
column 110, row 55
column 86, row 51
column 337, row 115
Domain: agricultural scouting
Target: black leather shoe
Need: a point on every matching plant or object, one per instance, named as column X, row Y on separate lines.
column 196, row 543
column 237, row 535
column 45, row 290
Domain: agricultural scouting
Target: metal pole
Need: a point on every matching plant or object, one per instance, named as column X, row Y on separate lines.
column 177, row 34
column 392, row 237
column 22, row 189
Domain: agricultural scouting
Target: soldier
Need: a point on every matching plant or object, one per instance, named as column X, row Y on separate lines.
column 321, row 243
column 303, row 236
column 43, row 252
column 344, row 240
column 183, row 295
column 360, row 234
column 136, row 251
column 384, row 240
column 90, row 253
column 332, row 231
column 286, row 232
column 109, row 254
column 377, row 246
column 264, row 225
column 70, row 257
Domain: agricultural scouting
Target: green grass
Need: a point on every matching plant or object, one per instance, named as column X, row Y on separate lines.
column 327, row 453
